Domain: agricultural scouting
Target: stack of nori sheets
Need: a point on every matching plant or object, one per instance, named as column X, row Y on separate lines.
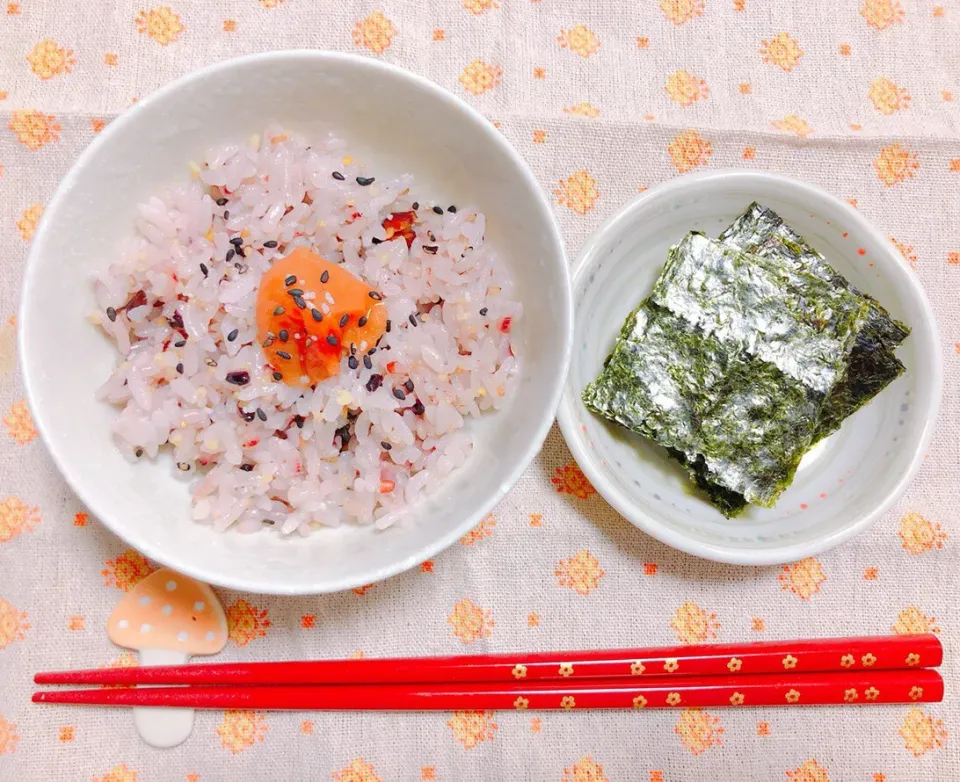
column 749, row 350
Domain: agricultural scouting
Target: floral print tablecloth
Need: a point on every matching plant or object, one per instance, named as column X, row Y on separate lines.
column 604, row 99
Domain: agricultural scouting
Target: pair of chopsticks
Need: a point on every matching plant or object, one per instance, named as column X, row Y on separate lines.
column 852, row 671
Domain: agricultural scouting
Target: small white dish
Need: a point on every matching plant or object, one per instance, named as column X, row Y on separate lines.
column 400, row 122
column 847, row 481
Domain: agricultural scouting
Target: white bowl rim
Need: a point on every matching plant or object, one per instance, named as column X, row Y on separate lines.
column 439, row 544
column 731, row 554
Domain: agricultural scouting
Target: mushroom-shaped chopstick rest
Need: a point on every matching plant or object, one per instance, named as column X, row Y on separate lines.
column 167, row 617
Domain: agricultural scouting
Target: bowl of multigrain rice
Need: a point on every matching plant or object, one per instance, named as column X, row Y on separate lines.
column 313, row 320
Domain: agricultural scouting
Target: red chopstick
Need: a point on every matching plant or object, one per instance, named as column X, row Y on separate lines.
column 782, row 689
column 830, row 654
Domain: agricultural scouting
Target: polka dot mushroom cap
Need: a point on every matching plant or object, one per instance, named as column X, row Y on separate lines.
column 169, row 611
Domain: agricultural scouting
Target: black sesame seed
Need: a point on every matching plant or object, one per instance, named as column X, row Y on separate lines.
column 283, row 354
column 211, row 362
column 324, row 277
column 112, row 314
column 246, row 467
column 374, row 383
column 183, row 466
column 204, row 269
column 290, row 280
column 438, row 210
column 338, row 176
column 221, row 202
column 389, row 325
column 317, row 315
column 295, row 291
column 284, row 335
column 409, row 386
column 242, row 268
column 430, row 249
column 363, row 181
column 261, row 415
column 226, row 214
column 241, row 252
column 415, row 206
column 367, row 362
column 362, row 321
column 399, row 394
column 232, row 335
column 138, row 453
column 344, row 320
column 278, row 376
column 413, row 320
column 298, row 420
column 385, row 445
column 248, row 417
column 418, row 408
column 179, row 343
column 375, row 240
column 353, row 349
column 180, row 369
column 483, row 311
column 300, row 302
column 240, row 378
column 270, row 243
column 268, row 522
column 236, row 241
column 371, row 351
column 278, row 310
column 332, row 340
column 375, row 296
column 452, row 208
column 352, row 362
column 230, row 253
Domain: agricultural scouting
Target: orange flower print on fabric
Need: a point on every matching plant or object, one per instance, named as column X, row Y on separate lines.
column 126, row 570
column 698, row 730
column 919, row 535
column 16, row 517
column 579, row 39
column 161, row 24
column 478, row 77
column 374, row 32
column 908, row 253
column 125, row 660
column 793, row 124
column 922, row 732
column 472, row 728
column 479, row 7
column 783, row 50
column 67, row 733
column 693, row 625
column 809, row 771
column 895, row 164
column 581, row 572
column 8, row 736
column 579, row 193
column 240, row 730
column 583, row 109
column 470, row 622
column 358, row 770
column 271, row 3
column 887, row 97
column 120, row 773
column 803, row 578
column 47, row 59
column 34, row 129
column 246, row 622
column 27, row 223
column 912, row 621
column 685, row 89
column 20, row 426
column 688, row 150
column 681, row 11
column 483, row 530
column 585, row 770
column 881, row 14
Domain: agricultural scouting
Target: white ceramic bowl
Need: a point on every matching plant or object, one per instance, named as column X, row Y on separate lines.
column 847, row 481
column 401, row 122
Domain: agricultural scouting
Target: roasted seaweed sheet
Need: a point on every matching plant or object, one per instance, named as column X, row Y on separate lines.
column 872, row 363
column 738, row 421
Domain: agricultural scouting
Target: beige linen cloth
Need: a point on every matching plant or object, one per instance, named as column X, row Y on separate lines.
column 604, row 99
